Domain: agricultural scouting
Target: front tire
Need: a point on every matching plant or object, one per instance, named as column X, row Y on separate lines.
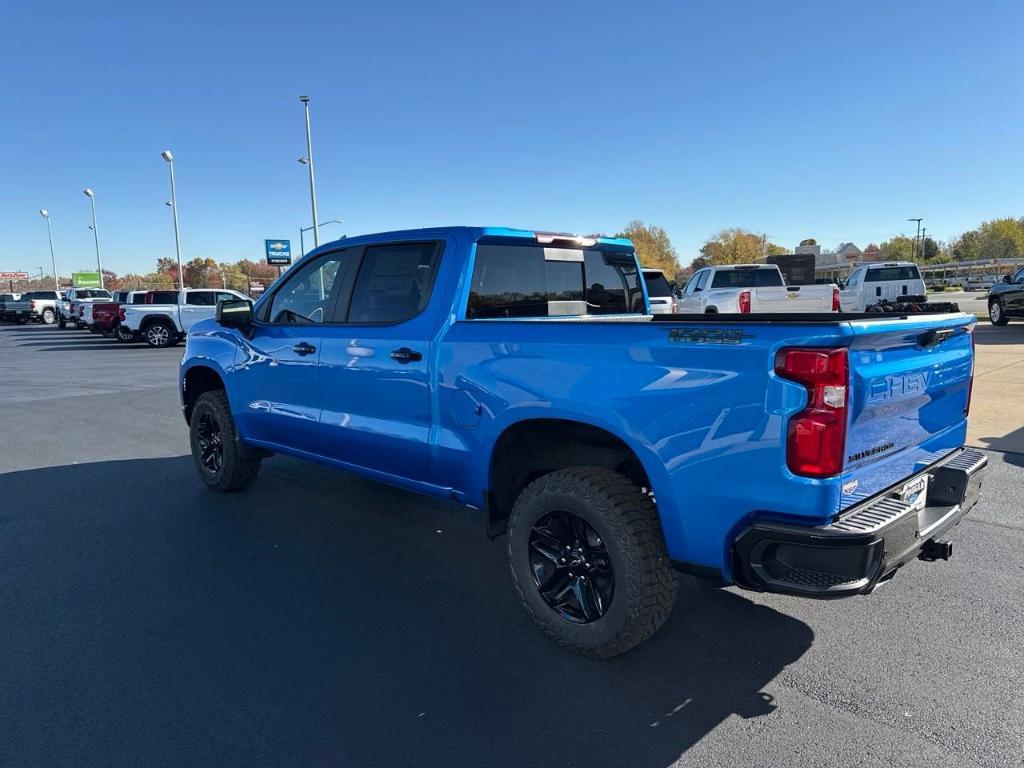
column 160, row 333
column 588, row 560
column 216, row 448
column 996, row 313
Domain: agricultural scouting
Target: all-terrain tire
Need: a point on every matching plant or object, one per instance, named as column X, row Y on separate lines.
column 626, row 520
column 234, row 471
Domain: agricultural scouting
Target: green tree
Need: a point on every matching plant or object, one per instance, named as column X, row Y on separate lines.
column 653, row 246
column 899, row 248
column 966, row 247
column 738, row 246
column 1001, row 239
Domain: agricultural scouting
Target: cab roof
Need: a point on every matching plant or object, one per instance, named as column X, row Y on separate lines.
column 479, row 233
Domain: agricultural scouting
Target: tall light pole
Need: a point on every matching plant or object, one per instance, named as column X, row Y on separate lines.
column 308, row 162
column 49, row 231
column 169, row 158
column 917, row 237
column 304, row 230
column 95, row 231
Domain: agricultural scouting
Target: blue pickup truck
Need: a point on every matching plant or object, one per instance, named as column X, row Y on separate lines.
column 521, row 374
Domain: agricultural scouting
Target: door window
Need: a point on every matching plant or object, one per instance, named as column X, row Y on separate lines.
column 394, row 282
column 306, row 296
column 702, row 281
column 199, row 298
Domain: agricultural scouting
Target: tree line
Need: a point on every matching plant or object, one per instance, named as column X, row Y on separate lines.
column 995, row 239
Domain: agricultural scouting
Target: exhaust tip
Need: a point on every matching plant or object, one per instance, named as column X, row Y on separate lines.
column 933, row 550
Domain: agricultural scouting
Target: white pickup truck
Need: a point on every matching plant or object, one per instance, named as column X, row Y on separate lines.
column 743, row 288
column 166, row 316
column 69, row 309
column 35, row 307
column 871, row 286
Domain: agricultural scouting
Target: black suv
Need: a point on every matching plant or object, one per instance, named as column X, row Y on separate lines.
column 1006, row 298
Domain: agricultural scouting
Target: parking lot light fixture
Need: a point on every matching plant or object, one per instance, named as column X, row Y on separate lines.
column 95, row 232
column 173, row 203
column 49, row 231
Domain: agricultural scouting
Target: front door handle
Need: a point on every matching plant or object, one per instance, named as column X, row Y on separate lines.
column 302, row 348
column 405, row 355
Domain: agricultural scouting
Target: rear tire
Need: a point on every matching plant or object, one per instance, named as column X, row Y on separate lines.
column 124, row 334
column 216, row 448
column 996, row 313
column 160, row 334
column 48, row 317
column 620, row 540
column 62, row 323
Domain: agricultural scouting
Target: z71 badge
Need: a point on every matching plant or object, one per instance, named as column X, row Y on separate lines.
column 709, row 335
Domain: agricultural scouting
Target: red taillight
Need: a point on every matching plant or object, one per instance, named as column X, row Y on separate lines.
column 970, row 381
column 32, row 305
column 835, row 300
column 817, row 435
column 120, row 314
column 744, row 302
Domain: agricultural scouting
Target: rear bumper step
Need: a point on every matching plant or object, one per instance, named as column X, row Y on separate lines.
column 866, row 545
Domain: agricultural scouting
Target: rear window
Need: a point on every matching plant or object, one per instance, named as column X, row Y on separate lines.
column 88, row 294
column 747, row 278
column 883, row 274
column 534, row 281
column 657, row 285
column 163, row 297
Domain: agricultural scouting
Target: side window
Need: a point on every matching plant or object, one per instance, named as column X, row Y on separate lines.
column 199, row 298
column 854, row 280
column 612, row 283
column 394, row 282
column 1019, row 277
column 305, row 297
column 702, row 281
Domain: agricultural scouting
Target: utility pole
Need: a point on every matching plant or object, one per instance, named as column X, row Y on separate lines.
column 921, row 249
column 916, row 237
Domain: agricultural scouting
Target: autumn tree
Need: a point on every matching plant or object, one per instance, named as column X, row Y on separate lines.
column 738, row 246
column 653, row 246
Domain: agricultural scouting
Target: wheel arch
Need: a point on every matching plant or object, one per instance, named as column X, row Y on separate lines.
column 533, row 446
column 194, row 382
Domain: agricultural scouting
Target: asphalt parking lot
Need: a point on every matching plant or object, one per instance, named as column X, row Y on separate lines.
column 320, row 619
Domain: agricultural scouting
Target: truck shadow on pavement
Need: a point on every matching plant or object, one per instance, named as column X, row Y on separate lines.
column 317, row 619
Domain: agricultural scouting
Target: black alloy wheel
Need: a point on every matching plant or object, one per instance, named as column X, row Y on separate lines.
column 571, row 567
column 211, row 443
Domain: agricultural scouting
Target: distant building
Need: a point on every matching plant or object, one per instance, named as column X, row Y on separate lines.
column 849, row 252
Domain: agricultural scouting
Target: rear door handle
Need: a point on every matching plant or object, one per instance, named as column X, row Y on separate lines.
column 302, row 348
column 406, row 355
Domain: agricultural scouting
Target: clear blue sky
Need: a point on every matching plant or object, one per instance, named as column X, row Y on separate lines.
column 833, row 120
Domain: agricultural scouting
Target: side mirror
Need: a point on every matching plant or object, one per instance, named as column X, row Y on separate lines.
column 1007, row 279
column 234, row 313
column 841, row 284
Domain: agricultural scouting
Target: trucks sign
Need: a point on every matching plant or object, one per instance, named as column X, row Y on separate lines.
column 13, row 275
column 279, row 252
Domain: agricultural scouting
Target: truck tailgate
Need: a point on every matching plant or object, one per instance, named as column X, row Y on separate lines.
column 793, row 298
column 909, row 392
